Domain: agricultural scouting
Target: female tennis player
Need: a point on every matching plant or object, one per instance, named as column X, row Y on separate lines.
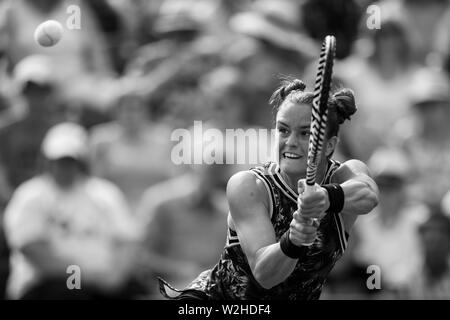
column 268, row 255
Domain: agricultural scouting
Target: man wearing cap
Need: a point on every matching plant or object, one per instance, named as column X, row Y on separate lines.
column 432, row 281
column 21, row 140
column 424, row 136
column 387, row 237
column 65, row 219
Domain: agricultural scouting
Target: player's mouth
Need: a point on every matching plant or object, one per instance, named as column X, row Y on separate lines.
column 291, row 155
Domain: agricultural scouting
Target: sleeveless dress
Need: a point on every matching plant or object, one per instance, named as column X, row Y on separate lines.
column 232, row 279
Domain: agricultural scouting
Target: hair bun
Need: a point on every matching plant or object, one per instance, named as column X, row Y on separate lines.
column 345, row 104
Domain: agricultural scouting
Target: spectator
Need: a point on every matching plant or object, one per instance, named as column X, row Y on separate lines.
column 185, row 226
column 424, row 135
column 80, row 62
column 132, row 151
column 433, row 280
column 66, row 217
column 271, row 43
column 422, row 19
column 338, row 17
column 112, row 28
column 385, row 70
column 167, row 71
column 175, row 28
column 137, row 18
column 79, row 50
column 387, row 237
column 21, row 140
column 222, row 89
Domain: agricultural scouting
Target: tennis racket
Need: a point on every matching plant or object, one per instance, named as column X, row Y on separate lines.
column 319, row 112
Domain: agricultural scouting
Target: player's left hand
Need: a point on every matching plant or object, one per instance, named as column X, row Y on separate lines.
column 313, row 204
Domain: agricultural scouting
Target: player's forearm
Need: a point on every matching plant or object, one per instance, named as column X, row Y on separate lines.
column 361, row 195
column 272, row 266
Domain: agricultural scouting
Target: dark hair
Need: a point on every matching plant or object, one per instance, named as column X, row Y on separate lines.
column 436, row 221
column 341, row 103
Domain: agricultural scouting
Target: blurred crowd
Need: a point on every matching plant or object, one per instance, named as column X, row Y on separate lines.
column 85, row 137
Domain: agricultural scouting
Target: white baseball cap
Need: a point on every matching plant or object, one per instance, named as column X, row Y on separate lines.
column 429, row 85
column 66, row 140
column 387, row 161
column 35, row 68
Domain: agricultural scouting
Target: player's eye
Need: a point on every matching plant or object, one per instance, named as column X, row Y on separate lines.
column 305, row 133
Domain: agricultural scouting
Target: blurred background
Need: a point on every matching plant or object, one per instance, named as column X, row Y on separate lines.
column 135, row 71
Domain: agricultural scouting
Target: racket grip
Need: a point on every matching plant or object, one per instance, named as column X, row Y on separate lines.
column 308, row 221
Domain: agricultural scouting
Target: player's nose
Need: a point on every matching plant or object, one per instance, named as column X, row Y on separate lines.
column 292, row 141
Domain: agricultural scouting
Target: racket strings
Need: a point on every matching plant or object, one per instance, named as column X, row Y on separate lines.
column 319, row 109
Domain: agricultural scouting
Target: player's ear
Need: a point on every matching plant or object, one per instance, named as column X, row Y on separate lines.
column 330, row 145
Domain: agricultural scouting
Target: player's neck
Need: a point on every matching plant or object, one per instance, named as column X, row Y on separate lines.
column 292, row 180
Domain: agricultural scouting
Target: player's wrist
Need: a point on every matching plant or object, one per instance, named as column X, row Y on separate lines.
column 289, row 248
column 336, row 197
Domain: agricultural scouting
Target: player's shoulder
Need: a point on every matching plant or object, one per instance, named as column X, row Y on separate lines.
column 245, row 186
column 354, row 165
column 241, row 177
column 348, row 169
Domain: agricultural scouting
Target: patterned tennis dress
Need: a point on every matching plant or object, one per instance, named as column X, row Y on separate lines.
column 232, row 279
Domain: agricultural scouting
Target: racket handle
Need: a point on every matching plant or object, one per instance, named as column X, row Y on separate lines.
column 309, row 189
column 308, row 221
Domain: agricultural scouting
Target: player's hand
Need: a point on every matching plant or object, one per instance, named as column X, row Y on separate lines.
column 312, row 205
column 300, row 231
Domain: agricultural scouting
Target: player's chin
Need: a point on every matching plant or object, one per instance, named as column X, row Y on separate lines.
column 293, row 166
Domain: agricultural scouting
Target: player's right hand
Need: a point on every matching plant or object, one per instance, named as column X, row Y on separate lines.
column 300, row 231
column 314, row 203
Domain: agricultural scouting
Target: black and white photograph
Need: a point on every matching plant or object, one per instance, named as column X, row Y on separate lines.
column 224, row 154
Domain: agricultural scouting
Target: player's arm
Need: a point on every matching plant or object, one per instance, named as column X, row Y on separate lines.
column 249, row 208
column 360, row 190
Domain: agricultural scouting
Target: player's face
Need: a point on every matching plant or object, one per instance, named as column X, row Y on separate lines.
column 293, row 128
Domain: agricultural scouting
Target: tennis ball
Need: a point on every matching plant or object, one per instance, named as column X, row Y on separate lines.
column 48, row 33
